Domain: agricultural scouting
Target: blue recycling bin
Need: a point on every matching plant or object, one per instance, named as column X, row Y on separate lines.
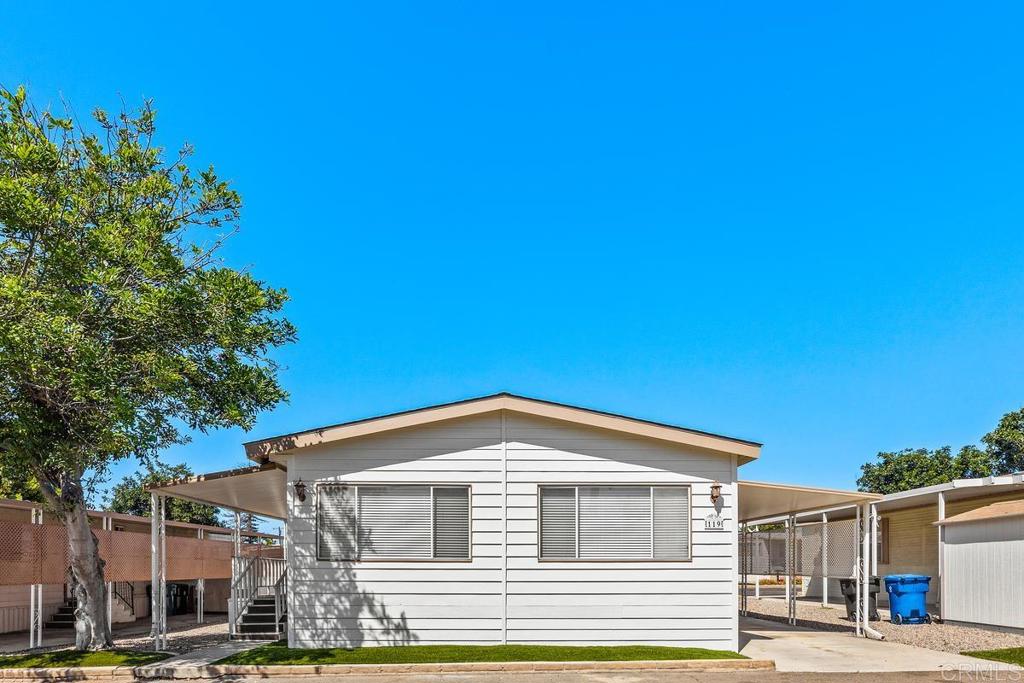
column 907, row 598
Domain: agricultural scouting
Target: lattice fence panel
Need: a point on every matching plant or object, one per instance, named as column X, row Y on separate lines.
column 34, row 553
column 842, row 548
column 217, row 560
column 765, row 552
column 129, row 555
column 19, row 553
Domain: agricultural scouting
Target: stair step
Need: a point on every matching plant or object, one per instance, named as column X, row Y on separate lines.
column 258, row 618
column 261, row 609
column 266, row 629
column 264, row 637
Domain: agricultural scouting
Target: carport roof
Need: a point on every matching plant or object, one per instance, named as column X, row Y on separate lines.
column 260, row 489
column 765, row 501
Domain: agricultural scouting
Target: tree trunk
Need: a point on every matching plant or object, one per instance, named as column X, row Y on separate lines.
column 91, row 629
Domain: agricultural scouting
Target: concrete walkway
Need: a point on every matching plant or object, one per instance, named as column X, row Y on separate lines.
column 188, row 665
column 795, row 648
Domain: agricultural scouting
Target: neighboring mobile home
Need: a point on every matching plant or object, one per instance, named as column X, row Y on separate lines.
column 910, row 539
column 34, row 566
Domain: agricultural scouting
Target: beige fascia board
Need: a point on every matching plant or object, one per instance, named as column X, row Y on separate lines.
column 261, row 451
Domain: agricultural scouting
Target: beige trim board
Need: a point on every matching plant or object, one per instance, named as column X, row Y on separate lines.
column 262, row 450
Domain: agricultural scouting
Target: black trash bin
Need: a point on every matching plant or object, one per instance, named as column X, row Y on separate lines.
column 849, row 588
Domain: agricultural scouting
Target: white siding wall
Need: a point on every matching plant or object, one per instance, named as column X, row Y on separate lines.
column 511, row 594
column 984, row 568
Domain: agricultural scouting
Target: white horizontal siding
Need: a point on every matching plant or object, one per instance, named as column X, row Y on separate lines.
column 385, row 602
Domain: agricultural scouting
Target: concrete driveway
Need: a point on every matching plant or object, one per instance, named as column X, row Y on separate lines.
column 795, row 648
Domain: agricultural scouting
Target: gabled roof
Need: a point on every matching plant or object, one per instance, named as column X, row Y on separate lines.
column 262, row 450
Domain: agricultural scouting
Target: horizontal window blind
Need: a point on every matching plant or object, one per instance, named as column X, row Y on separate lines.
column 401, row 521
column 451, row 523
column 336, row 522
column 394, row 521
column 671, row 523
column 614, row 522
column 558, row 522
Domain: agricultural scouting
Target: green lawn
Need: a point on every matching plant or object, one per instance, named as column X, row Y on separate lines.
column 61, row 659
column 1010, row 655
column 279, row 653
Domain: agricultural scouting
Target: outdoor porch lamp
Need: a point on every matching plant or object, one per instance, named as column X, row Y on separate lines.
column 300, row 491
column 716, row 492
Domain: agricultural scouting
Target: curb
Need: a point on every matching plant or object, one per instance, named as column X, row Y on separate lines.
column 86, row 673
column 157, row 672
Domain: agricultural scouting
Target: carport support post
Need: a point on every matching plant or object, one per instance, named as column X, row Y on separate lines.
column 856, row 573
column 158, row 567
column 874, row 540
column 788, row 588
column 824, row 559
column 35, row 598
column 942, row 550
column 200, row 587
column 865, row 555
column 108, row 525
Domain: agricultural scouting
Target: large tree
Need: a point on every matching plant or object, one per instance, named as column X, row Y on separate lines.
column 911, row 468
column 120, row 330
column 1005, row 443
column 131, row 496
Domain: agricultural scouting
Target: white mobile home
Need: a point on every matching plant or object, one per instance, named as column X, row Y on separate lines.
column 501, row 519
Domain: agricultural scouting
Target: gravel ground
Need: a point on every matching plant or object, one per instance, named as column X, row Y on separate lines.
column 942, row 637
column 182, row 636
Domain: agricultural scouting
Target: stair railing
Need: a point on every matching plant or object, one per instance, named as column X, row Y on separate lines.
column 281, row 597
column 125, row 592
column 250, row 577
column 70, row 583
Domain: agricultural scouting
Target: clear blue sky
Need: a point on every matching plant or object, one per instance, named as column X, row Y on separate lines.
column 794, row 223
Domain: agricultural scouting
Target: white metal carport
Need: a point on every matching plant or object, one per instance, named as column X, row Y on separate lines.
column 800, row 509
column 259, row 490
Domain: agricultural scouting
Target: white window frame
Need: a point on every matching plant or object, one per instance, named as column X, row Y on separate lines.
column 577, row 486
column 358, row 556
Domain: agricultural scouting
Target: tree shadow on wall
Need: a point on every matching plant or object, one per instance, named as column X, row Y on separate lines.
column 347, row 614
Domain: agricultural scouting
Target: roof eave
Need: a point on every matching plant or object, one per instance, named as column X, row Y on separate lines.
column 262, row 450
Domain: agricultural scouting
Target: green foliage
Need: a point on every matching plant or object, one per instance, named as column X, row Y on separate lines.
column 62, row 659
column 120, row 330
column 118, row 325
column 15, row 485
column 280, row 653
column 1005, row 443
column 912, row 468
column 131, row 497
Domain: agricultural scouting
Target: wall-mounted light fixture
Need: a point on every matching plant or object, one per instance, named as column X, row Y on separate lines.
column 300, row 491
column 716, row 492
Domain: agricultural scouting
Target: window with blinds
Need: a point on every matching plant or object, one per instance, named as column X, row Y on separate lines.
column 615, row 522
column 374, row 522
